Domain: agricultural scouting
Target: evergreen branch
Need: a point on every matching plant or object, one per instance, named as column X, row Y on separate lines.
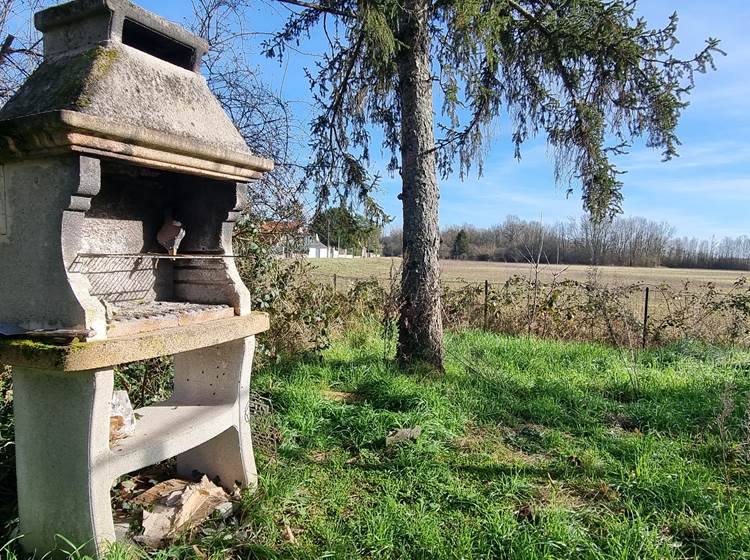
column 599, row 168
column 319, row 8
column 336, row 105
column 530, row 17
column 454, row 136
column 565, row 75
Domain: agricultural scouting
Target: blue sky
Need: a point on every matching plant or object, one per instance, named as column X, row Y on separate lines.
column 704, row 193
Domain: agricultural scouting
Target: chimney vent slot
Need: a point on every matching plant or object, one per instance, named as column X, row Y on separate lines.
column 156, row 44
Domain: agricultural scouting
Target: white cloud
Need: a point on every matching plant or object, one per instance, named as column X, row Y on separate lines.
column 727, row 189
column 692, row 155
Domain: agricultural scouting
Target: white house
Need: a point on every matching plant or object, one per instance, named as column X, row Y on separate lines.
column 291, row 238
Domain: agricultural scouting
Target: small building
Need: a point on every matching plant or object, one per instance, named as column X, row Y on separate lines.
column 291, row 239
column 316, row 249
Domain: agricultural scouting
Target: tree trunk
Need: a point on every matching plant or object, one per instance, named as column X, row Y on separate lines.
column 420, row 323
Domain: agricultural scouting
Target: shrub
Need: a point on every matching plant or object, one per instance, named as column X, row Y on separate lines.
column 593, row 311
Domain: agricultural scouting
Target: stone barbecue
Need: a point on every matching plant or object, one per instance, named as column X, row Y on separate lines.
column 115, row 131
column 121, row 178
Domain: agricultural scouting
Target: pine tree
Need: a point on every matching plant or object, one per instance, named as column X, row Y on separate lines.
column 460, row 244
column 588, row 74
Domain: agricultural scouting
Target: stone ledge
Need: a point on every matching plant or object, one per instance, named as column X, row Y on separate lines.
column 71, row 131
column 167, row 429
column 107, row 353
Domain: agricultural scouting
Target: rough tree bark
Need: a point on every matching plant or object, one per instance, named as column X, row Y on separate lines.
column 420, row 322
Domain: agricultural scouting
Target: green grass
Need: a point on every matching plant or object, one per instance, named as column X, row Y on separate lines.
column 530, row 449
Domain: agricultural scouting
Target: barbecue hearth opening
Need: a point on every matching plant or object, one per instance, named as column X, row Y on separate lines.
column 141, row 284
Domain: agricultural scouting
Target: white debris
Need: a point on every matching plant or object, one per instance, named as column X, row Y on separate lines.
column 177, row 506
column 121, row 416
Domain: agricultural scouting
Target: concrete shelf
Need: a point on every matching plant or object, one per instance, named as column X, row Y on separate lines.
column 166, row 430
column 113, row 351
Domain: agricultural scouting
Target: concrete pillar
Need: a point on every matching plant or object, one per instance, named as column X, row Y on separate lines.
column 219, row 375
column 62, row 447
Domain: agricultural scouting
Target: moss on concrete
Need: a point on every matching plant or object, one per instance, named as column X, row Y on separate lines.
column 102, row 61
column 30, row 351
column 97, row 354
column 28, row 345
column 62, row 83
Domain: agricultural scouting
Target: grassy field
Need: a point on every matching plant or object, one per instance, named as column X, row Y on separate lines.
column 474, row 271
column 529, row 450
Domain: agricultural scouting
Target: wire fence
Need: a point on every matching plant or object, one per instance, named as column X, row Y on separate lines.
column 634, row 315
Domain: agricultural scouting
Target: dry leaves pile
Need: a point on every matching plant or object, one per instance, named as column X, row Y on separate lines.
column 175, row 506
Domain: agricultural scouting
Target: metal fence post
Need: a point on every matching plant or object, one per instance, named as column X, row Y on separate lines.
column 486, row 297
column 645, row 319
column 335, row 281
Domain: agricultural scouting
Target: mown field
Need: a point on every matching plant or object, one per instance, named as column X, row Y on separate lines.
column 529, row 450
column 474, row 271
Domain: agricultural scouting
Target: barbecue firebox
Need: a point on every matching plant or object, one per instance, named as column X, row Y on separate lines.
column 120, row 181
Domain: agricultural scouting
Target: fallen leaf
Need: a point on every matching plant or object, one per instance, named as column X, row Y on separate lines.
column 289, row 535
column 525, row 512
column 128, row 484
column 197, row 502
column 341, row 396
column 319, row 457
column 404, row 434
column 178, row 506
column 116, row 424
column 161, row 490
column 156, row 526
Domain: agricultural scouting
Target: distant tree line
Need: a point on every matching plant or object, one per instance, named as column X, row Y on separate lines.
column 631, row 241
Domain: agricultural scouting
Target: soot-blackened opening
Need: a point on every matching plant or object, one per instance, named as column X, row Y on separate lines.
column 156, row 44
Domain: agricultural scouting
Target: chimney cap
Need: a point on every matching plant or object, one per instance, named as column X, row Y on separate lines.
column 103, row 21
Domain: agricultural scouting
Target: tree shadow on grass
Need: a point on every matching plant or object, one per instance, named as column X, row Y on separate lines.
column 686, row 410
column 580, row 407
column 382, row 395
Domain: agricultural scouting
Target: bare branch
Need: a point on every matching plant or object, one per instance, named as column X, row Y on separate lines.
column 5, row 48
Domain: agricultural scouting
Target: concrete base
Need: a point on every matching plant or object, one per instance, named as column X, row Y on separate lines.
column 64, row 462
